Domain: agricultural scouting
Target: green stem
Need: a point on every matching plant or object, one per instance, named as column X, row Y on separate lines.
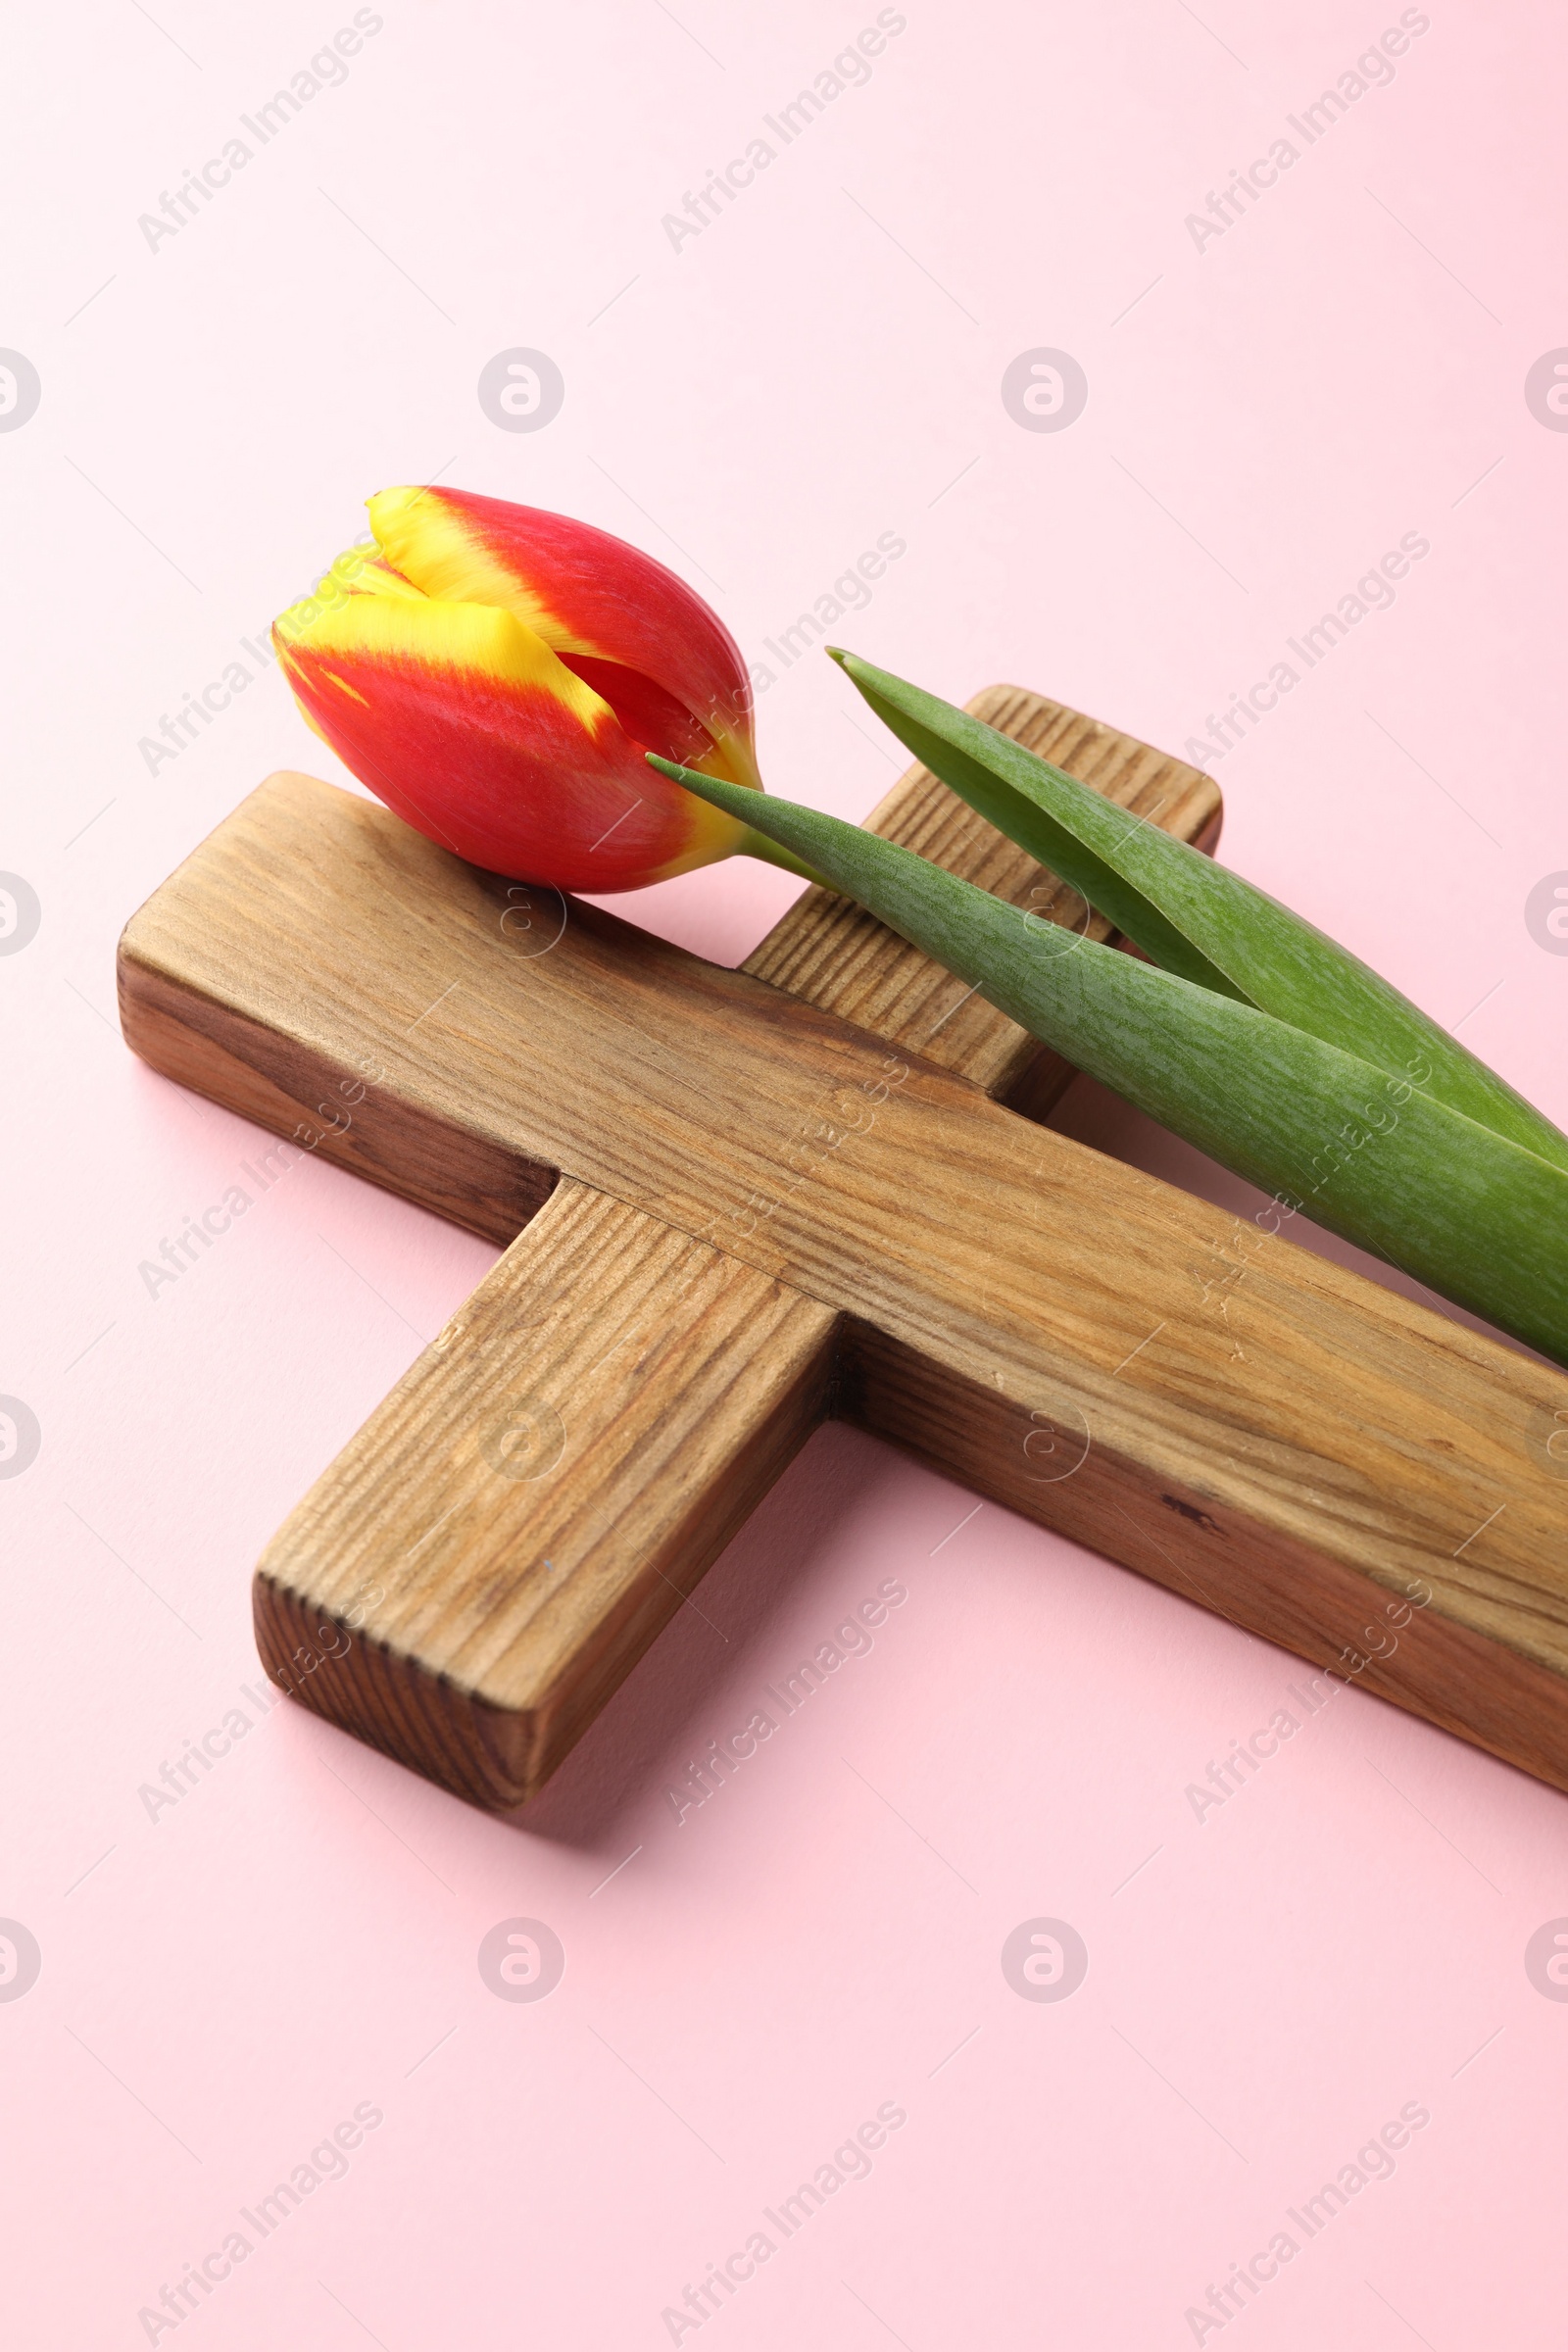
column 773, row 853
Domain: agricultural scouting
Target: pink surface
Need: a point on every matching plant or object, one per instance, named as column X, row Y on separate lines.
column 225, row 1978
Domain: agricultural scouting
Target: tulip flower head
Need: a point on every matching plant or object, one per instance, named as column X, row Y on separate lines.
column 496, row 673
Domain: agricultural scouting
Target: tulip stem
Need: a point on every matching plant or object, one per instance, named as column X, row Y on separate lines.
column 755, row 844
column 773, row 853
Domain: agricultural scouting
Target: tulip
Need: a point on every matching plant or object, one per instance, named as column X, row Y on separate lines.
column 495, row 674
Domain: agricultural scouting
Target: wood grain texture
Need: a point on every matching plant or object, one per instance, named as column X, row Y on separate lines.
column 563, row 1624
column 1248, row 1424
column 586, row 1435
column 665, row 1385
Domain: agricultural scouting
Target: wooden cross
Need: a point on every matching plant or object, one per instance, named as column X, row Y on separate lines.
column 737, row 1202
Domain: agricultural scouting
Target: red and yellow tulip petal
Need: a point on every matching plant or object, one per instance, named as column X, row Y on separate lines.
column 376, row 578
column 464, row 721
column 583, row 591
column 651, row 717
column 358, row 569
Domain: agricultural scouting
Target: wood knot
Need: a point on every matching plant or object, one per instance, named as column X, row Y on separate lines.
column 1190, row 1511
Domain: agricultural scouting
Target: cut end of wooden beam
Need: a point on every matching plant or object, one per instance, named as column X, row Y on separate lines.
column 203, row 1000
column 481, row 1567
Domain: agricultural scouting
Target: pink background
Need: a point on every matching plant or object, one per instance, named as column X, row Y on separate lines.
column 223, row 1984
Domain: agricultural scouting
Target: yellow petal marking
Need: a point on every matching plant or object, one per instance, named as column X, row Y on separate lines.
column 434, row 545
column 463, row 640
column 380, row 579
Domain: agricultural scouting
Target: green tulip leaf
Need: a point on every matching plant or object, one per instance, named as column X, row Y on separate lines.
column 1190, row 915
